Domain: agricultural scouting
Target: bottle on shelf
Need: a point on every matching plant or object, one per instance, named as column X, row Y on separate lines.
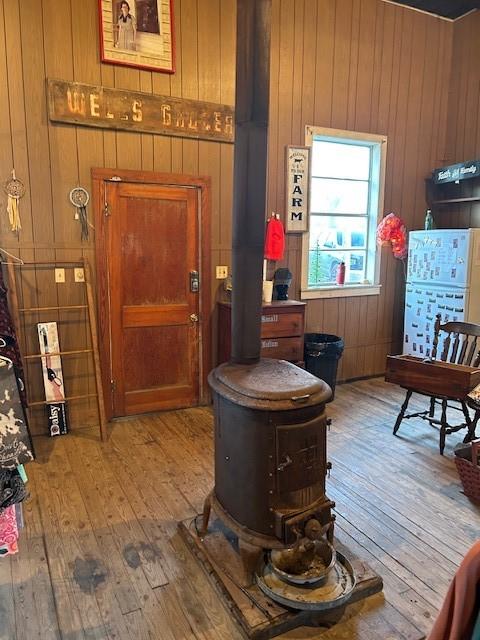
column 429, row 222
column 341, row 273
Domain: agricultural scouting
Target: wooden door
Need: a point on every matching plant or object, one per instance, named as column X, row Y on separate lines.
column 152, row 245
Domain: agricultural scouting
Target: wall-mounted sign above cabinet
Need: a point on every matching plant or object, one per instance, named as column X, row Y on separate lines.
column 456, row 172
column 107, row 108
column 297, row 185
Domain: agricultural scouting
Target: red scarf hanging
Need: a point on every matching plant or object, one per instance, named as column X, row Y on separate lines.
column 274, row 239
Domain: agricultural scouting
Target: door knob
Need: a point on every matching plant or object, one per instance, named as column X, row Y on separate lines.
column 193, row 317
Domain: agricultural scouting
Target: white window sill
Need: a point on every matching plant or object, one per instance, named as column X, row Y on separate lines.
column 341, row 291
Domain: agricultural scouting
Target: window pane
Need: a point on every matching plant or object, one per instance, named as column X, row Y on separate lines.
column 338, row 232
column 322, row 266
column 338, row 196
column 340, row 160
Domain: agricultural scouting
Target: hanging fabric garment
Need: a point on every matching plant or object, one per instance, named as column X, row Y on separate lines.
column 460, row 608
column 15, row 443
column 8, row 532
column 8, row 339
column 274, row 239
column 12, row 488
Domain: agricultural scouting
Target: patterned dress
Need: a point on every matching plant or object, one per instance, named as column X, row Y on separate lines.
column 126, row 32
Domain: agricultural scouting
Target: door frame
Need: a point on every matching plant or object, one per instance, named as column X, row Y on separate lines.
column 102, row 176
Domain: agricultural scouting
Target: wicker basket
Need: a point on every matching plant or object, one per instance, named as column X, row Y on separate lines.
column 469, row 473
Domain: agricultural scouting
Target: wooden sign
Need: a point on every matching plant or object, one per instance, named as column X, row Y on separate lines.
column 457, row 172
column 297, row 181
column 95, row 106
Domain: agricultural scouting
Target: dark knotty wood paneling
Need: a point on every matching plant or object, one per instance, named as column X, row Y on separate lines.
column 359, row 64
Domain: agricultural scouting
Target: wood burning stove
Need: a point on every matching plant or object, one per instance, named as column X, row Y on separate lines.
column 270, row 423
column 270, row 450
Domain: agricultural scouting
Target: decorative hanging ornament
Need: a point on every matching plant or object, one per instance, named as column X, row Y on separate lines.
column 15, row 189
column 392, row 230
column 79, row 197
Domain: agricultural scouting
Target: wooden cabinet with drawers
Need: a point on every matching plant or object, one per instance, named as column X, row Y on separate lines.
column 283, row 326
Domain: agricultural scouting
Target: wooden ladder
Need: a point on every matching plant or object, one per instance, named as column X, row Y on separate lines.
column 92, row 325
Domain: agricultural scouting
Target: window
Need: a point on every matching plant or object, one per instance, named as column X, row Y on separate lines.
column 346, row 202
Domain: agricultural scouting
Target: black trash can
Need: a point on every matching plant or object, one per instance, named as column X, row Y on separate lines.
column 322, row 353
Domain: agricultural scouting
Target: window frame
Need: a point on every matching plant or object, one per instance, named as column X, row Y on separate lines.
column 376, row 200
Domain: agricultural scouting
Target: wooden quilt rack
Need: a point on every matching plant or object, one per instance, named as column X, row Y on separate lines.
column 92, row 327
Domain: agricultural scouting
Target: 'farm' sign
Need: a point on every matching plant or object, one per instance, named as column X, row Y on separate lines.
column 107, row 108
column 298, row 170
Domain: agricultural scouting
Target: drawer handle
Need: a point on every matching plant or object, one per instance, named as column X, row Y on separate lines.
column 300, row 398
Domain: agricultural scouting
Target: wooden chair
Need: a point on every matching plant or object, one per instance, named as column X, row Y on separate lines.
column 461, row 346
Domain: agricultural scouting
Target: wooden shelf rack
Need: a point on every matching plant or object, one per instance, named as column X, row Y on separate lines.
column 92, row 327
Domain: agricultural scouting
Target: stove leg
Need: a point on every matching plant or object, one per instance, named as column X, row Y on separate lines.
column 330, row 530
column 207, row 508
column 250, row 555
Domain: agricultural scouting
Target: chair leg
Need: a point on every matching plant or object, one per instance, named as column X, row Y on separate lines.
column 472, row 427
column 402, row 411
column 443, row 427
column 431, row 413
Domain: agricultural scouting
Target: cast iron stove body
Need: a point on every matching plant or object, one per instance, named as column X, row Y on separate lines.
column 270, row 451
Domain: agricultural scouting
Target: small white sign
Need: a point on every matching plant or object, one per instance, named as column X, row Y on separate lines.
column 297, row 181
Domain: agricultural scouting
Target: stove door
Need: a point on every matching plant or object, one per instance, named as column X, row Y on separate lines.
column 301, row 456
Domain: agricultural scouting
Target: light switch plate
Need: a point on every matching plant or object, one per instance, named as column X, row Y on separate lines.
column 59, row 276
column 79, row 274
column 221, row 272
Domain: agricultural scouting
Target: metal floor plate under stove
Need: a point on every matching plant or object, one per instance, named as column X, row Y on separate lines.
column 333, row 592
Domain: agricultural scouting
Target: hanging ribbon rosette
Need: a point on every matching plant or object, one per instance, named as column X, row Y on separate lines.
column 392, row 230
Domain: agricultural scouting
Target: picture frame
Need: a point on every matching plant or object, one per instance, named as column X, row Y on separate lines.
column 297, row 182
column 137, row 33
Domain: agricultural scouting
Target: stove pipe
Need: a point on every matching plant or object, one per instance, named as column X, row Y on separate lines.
column 250, row 176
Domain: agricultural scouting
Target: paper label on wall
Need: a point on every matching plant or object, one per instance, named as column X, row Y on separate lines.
column 51, row 364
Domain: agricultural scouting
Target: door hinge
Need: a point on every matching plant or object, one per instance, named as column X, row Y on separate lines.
column 106, row 210
column 113, row 385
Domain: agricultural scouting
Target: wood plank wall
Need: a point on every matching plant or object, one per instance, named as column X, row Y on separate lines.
column 47, row 38
column 357, row 64
column 368, row 66
column 463, row 125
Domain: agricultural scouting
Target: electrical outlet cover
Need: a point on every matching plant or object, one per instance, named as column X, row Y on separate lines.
column 59, row 275
column 79, row 274
column 221, row 272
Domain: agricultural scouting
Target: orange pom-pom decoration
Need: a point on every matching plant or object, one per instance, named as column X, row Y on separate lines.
column 392, row 230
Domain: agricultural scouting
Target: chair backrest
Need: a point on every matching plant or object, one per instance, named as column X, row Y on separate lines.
column 461, row 344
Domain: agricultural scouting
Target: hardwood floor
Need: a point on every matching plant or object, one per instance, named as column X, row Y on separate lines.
column 100, row 556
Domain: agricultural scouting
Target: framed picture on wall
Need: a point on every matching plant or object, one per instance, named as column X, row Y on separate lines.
column 137, row 33
column 297, row 185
